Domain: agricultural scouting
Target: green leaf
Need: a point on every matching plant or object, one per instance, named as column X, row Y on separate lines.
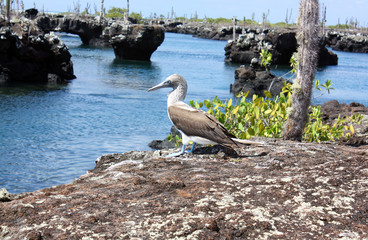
column 261, row 128
column 268, row 111
column 268, row 94
column 230, row 102
column 256, row 112
column 241, row 127
column 317, row 83
column 192, row 103
column 246, row 94
column 207, row 103
column 170, row 137
column 251, row 131
column 236, row 109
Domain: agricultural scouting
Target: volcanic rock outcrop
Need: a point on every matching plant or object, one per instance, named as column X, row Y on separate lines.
column 278, row 190
column 206, row 31
column 282, row 44
column 88, row 29
column 28, row 57
column 348, row 41
column 137, row 42
column 255, row 80
column 130, row 41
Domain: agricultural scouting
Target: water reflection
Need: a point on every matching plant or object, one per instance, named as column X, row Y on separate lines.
column 130, row 74
column 19, row 89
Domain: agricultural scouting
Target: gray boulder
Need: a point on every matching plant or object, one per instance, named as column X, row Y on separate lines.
column 256, row 80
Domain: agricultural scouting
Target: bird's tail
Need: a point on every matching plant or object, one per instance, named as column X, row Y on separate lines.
column 245, row 142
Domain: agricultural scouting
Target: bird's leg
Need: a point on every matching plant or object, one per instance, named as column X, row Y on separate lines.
column 191, row 150
column 177, row 153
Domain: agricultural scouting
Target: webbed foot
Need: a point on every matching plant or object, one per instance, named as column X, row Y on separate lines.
column 191, row 150
column 177, row 153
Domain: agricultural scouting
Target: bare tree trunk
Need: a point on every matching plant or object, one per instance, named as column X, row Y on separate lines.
column 17, row 3
column 307, row 62
column 128, row 7
column 102, row 10
column 126, row 14
column 8, row 9
column 234, row 28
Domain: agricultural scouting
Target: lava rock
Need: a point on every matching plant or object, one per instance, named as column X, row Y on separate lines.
column 31, row 58
column 333, row 110
column 255, row 81
column 87, row 29
column 283, row 189
column 137, row 42
column 284, row 45
column 203, row 30
column 281, row 43
column 31, row 13
column 129, row 41
column 165, row 143
column 348, row 41
column 5, row 196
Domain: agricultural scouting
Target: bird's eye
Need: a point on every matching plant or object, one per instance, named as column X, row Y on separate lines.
column 168, row 82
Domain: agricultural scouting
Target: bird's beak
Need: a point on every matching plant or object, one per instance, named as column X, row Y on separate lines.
column 164, row 84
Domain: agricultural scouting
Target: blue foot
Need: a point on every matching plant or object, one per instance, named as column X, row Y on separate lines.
column 191, row 150
column 177, row 153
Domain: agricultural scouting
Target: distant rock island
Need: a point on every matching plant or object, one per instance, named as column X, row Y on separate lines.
column 28, row 56
column 129, row 41
column 280, row 41
column 31, row 52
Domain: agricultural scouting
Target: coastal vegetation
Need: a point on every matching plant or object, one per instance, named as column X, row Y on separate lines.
column 116, row 12
column 266, row 116
column 288, row 115
column 254, row 116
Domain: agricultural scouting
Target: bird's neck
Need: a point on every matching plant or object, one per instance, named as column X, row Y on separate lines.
column 176, row 95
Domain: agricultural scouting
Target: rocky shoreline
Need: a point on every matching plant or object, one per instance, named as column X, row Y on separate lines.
column 279, row 189
column 338, row 39
column 206, row 31
column 281, row 42
column 348, row 41
column 26, row 56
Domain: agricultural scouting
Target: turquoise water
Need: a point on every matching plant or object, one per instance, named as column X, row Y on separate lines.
column 51, row 135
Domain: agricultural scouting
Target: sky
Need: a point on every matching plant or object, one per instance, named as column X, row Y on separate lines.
column 337, row 10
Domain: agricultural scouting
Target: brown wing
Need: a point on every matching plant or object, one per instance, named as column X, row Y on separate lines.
column 195, row 122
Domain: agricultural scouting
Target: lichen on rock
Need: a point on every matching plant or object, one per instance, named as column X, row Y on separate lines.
column 278, row 190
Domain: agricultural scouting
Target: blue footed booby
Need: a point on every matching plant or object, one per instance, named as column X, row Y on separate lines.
column 194, row 124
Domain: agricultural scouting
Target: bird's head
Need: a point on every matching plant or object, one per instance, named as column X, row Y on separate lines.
column 173, row 81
